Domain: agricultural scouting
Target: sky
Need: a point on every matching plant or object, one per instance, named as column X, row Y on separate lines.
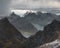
column 7, row 5
column 31, row 4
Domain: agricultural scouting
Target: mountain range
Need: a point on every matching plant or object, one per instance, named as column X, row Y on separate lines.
column 48, row 35
column 10, row 37
column 32, row 22
column 12, row 30
column 22, row 25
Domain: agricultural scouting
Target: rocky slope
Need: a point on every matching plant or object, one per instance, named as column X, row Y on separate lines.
column 10, row 37
column 49, row 34
column 54, row 44
column 52, row 35
column 40, row 38
column 24, row 26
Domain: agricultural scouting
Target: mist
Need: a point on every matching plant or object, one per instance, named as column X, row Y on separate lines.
column 5, row 7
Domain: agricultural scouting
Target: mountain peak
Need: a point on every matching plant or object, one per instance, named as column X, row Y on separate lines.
column 13, row 14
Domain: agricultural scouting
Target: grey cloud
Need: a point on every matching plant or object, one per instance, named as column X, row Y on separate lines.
column 57, row 0
column 4, row 7
column 35, row 4
column 35, row 0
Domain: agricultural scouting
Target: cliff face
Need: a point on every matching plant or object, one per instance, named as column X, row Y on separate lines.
column 10, row 37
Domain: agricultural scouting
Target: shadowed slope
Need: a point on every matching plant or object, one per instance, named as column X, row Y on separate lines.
column 9, row 36
column 48, row 35
column 40, row 38
column 51, row 33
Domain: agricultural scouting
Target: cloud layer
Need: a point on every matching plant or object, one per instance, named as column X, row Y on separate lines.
column 6, row 5
column 35, row 4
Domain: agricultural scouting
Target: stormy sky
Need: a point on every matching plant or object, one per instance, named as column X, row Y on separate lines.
column 35, row 4
column 7, row 5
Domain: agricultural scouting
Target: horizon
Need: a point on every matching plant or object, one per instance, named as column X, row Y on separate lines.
column 22, row 11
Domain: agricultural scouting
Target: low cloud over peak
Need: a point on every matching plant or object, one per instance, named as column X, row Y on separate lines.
column 6, row 5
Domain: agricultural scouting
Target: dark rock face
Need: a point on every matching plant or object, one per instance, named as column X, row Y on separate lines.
column 58, row 47
column 35, row 40
column 47, row 35
column 50, row 30
column 54, row 26
column 40, row 38
column 10, row 37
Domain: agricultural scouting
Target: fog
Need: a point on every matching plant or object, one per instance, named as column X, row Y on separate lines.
column 5, row 7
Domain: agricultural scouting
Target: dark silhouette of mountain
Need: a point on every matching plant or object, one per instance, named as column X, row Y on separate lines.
column 10, row 37
column 53, row 26
column 21, row 24
column 58, row 18
column 40, row 38
column 13, row 14
column 50, row 32
column 58, row 47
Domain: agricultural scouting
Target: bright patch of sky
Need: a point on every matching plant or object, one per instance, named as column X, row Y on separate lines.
column 22, row 12
column 7, row 5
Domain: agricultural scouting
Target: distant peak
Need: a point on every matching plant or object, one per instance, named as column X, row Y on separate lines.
column 12, row 14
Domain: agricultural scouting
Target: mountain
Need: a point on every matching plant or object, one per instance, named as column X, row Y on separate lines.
column 58, row 47
column 53, row 26
column 58, row 18
column 36, row 19
column 48, row 35
column 46, row 38
column 54, row 44
column 40, row 38
column 10, row 37
column 40, row 18
column 22, row 25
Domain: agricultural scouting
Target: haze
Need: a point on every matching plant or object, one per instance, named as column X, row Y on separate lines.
column 7, row 5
